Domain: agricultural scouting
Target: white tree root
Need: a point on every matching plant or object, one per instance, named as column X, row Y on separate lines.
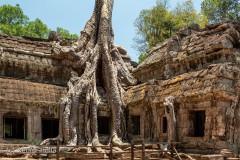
column 95, row 53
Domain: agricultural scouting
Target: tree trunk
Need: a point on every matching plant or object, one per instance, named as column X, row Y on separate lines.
column 95, row 53
column 171, row 118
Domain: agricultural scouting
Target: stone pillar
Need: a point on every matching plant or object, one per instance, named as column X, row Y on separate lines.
column 141, row 126
column 1, row 127
column 37, row 131
column 155, row 119
column 34, row 127
column 142, row 123
column 183, row 122
column 29, row 127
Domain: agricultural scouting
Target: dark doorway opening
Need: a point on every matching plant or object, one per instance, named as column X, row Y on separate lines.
column 135, row 125
column 14, row 128
column 49, row 128
column 198, row 119
column 104, row 125
column 164, row 124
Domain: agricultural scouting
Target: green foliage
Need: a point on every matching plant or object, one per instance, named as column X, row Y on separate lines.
column 217, row 10
column 63, row 33
column 185, row 15
column 14, row 22
column 12, row 15
column 13, row 30
column 36, row 29
column 159, row 23
column 153, row 26
column 142, row 57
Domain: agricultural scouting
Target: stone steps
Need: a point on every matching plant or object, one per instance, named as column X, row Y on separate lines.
column 151, row 154
column 31, row 158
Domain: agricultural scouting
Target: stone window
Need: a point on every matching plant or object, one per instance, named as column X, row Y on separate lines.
column 197, row 121
column 104, row 124
column 49, row 128
column 164, row 124
column 14, row 127
column 135, row 125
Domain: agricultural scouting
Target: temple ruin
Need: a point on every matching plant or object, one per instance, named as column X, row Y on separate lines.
column 199, row 68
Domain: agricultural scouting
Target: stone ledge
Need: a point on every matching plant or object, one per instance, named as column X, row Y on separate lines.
column 212, row 157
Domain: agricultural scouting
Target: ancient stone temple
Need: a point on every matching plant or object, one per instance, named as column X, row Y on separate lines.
column 198, row 68
column 31, row 85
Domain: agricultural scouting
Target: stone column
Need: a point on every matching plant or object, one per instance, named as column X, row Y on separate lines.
column 1, row 127
column 29, row 124
column 37, row 131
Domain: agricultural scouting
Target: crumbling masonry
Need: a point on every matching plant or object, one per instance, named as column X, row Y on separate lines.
column 198, row 68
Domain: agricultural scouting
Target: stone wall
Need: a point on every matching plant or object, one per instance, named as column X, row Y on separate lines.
column 201, row 69
column 32, row 82
column 214, row 90
column 30, row 100
column 32, row 59
column 23, row 90
column 191, row 50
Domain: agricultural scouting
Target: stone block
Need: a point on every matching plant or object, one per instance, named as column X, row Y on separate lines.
column 190, row 145
column 84, row 156
column 212, row 157
column 221, row 144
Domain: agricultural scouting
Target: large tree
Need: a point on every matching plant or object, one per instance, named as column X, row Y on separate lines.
column 153, row 26
column 36, row 29
column 159, row 23
column 65, row 33
column 14, row 22
column 96, row 53
column 217, row 10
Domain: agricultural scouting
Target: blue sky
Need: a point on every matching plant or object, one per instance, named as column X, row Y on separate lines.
column 73, row 15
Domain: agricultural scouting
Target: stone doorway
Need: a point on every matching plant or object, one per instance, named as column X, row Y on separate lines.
column 14, row 128
column 135, row 125
column 104, row 124
column 49, row 128
column 197, row 119
column 164, row 124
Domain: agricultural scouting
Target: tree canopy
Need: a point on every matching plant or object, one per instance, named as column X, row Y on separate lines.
column 217, row 10
column 14, row 22
column 159, row 23
column 66, row 34
column 36, row 29
column 153, row 26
